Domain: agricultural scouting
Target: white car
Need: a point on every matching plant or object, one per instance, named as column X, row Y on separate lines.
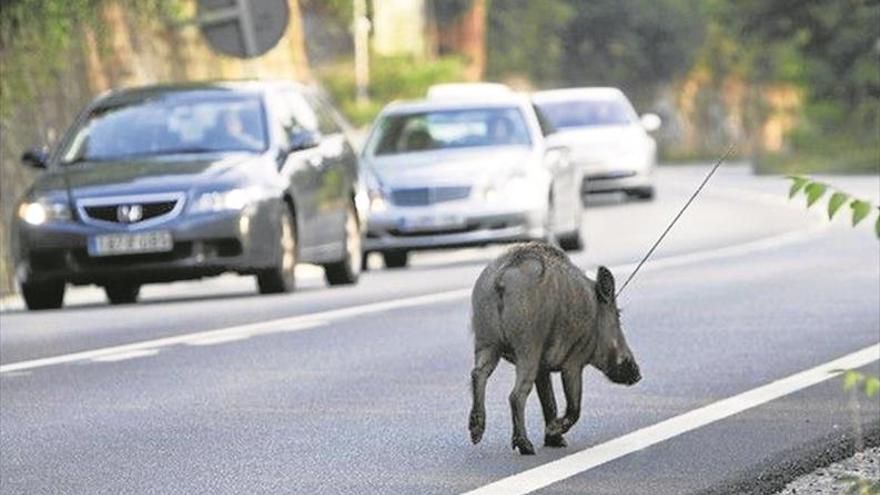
column 608, row 140
column 460, row 172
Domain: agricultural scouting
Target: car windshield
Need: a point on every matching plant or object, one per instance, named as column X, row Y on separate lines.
column 446, row 129
column 585, row 113
column 200, row 122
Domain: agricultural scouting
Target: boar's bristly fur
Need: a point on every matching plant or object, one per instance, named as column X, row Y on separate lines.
column 536, row 309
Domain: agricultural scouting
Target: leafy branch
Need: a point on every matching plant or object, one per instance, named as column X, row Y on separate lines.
column 813, row 190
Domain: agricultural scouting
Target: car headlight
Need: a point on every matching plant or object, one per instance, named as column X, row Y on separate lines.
column 41, row 211
column 377, row 200
column 514, row 188
column 231, row 200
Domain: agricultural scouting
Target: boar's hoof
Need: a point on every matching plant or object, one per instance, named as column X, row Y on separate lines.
column 524, row 445
column 477, row 426
column 554, row 440
column 559, row 426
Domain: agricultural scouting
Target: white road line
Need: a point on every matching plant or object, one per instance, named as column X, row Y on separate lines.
column 303, row 322
column 289, row 324
column 122, row 356
column 763, row 244
column 579, row 462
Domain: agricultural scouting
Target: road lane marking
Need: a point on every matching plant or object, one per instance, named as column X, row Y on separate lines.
column 292, row 323
column 107, row 353
column 223, row 339
column 579, row 462
column 122, row 356
column 762, row 244
column 287, row 324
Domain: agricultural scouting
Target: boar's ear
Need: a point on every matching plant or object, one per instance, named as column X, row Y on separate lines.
column 605, row 285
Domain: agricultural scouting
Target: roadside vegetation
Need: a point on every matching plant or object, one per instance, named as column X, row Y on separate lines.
column 853, row 381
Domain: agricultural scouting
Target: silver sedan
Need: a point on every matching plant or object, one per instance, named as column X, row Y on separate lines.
column 451, row 173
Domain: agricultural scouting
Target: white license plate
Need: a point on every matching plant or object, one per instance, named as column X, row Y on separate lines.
column 157, row 241
column 431, row 222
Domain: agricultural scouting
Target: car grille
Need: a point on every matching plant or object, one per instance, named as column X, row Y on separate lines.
column 610, row 175
column 150, row 209
column 424, row 196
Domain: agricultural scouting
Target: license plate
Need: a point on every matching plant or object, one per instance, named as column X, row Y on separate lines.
column 431, row 222
column 142, row 242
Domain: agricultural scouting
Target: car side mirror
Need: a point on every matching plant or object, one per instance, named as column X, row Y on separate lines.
column 303, row 140
column 651, row 122
column 35, row 158
column 556, row 157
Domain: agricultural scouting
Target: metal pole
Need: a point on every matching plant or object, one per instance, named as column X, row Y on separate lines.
column 361, row 27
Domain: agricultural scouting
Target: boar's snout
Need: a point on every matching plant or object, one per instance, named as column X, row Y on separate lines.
column 626, row 372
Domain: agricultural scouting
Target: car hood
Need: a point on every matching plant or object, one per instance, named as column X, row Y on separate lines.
column 448, row 167
column 600, row 139
column 107, row 178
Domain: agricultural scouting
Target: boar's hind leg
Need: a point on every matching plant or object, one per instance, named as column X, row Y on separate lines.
column 526, row 372
column 571, row 383
column 548, row 405
column 485, row 361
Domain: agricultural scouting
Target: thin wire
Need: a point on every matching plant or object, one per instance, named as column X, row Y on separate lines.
column 685, row 207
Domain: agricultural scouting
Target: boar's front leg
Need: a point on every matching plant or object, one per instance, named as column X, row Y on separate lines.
column 485, row 361
column 526, row 372
column 548, row 405
column 571, row 384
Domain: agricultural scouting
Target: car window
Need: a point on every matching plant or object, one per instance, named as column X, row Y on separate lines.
column 447, row 129
column 326, row 123
column 298, row 113
column 174, row 123
column 564, row 114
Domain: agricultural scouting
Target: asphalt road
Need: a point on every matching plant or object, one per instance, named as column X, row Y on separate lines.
column 365, row 389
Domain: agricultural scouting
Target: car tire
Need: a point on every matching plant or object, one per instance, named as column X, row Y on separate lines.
column 395, row 259
column 571, row 242
column 122, row 293
column 282, row 277
column 347, row 270
column 39, row 296
column 642, row 193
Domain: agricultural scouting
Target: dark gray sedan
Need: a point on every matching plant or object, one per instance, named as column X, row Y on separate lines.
column 167, row 183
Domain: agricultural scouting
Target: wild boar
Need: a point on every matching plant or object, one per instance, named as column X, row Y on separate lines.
column 536, row 309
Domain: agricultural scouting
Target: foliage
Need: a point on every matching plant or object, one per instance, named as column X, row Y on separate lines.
column 36, row 37
column 523, row 39
column 852, row 378
column 860, row 486
column 638, row 45
column 813, row 190
column 829, row 49
column 391, row 78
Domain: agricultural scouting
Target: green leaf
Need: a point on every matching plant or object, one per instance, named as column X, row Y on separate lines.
column 837, row 200
column 851, row 379
column 860, row 210
column 814, row 191
column 872, row 386
column 797, row 183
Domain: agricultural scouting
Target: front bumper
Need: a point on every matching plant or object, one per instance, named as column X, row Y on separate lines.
column 387, row 231
column 204, row 245
column 611, row 178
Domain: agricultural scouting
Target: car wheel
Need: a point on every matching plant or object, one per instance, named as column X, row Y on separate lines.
column 347, row 270
column 38, row 296
column 281, row 278
column 395, row 259
column 642, row 193
column 122, row 292
column 571, row 242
